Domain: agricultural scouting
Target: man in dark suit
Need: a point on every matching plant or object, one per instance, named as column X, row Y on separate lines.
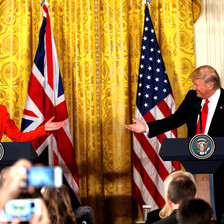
column 206, row 85
column 179, row 189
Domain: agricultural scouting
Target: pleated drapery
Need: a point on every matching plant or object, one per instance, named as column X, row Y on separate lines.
column 98, row 45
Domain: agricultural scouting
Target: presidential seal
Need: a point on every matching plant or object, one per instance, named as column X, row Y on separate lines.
column 202, row 146
column 1, row 151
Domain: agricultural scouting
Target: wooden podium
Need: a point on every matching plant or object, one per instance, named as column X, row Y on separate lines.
column 205, row 170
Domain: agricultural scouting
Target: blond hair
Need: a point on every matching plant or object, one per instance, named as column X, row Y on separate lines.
column 166, row 210
column 208, row 74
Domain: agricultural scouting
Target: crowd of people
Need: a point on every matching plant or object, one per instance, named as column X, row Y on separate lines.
column 166, row 210
column 182, row 205
column 55, row 203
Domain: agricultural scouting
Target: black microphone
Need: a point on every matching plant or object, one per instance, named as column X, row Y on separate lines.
column 199, row 112
column 84, row 215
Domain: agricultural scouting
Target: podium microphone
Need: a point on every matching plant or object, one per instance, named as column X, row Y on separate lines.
column 85, row 215
column 199, row 113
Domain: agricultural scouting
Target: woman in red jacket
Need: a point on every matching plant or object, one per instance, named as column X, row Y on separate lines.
column 9, row 128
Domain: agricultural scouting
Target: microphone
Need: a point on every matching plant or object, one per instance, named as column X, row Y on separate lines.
column 199, row 113
column 84, row 215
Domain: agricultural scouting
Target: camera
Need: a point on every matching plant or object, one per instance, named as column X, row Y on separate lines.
column 39, row 176
column 21, row 209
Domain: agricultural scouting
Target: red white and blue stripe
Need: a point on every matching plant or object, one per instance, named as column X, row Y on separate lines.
column 46, row 99
column 154, row 101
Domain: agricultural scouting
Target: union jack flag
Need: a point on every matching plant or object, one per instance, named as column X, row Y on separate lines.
column 154, row 101
column 46, row 99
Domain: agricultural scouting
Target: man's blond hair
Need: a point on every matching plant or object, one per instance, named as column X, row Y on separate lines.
column 208, row 74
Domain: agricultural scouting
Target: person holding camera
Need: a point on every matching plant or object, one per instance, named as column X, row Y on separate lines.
column 11, row 189
column 11, row 180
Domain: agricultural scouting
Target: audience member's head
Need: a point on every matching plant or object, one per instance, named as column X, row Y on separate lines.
column 84, row 215
column 194, row 211
column 179, row 189
column 59, row 204
column 166, row 210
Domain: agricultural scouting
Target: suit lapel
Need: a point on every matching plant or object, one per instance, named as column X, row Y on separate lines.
column 219, row 112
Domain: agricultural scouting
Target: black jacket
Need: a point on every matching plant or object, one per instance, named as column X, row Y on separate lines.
column 171, row 219
column 187, row 113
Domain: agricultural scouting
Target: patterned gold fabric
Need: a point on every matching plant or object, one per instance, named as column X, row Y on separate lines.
column 196, row 9
column 98, row 45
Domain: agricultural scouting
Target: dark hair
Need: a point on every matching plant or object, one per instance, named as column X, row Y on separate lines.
column 180, row 188
column 194, row 211
column 85, row 215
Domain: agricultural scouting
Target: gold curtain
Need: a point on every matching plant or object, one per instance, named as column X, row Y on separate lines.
column 98, row 45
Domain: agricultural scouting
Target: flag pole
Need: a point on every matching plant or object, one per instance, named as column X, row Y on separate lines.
column 44, row 2
column 146, row 1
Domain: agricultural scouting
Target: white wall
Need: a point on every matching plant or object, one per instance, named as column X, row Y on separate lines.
column 209, row 36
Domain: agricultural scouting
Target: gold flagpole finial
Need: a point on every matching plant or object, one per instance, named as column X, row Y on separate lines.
column 146, row 1
column 44, row 2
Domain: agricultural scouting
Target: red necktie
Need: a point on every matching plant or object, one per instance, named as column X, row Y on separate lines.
column 204, row 114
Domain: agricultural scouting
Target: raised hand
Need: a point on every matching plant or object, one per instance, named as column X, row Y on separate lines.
column 53, row 126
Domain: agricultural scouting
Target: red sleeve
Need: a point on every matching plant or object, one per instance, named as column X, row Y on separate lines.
column 12, row 131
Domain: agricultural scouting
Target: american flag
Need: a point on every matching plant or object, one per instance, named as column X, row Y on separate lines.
column 46, row 99
column 154, row 101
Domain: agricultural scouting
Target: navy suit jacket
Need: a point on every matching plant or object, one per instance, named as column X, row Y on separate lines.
column 187, row 113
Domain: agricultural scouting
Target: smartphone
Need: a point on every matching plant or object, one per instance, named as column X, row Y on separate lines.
column 21, row 209
column 50, row 176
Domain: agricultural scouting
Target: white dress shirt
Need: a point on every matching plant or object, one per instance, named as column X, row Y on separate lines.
column 213, row 100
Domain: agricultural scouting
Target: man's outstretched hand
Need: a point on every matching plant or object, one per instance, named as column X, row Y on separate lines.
column 53, row 126
column 138, row 126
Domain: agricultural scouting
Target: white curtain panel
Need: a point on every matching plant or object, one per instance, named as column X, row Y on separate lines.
column 209, row 36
